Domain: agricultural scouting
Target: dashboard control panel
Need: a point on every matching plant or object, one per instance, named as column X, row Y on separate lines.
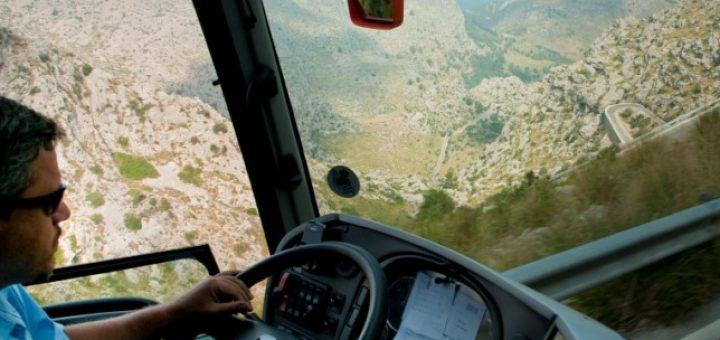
column 309, row 304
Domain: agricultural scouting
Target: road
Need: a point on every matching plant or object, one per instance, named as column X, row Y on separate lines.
column 619, row 132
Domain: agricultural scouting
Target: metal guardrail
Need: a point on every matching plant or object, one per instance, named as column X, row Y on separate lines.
column 565, row 274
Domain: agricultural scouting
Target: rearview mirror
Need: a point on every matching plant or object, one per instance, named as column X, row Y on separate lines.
column 377, row 14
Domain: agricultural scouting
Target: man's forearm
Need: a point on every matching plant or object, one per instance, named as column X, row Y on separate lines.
column 142, row 324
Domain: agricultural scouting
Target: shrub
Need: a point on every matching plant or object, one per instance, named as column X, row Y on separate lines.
column 132, row 222
column 73, row 243
column 190, row 236
column 697, row 89
column 87, row 69
column 134, row 167
column 34, row 90
column 96, row 218
column 436, row 203
column 97, row 170
column 191, row 175
column 240, row 249
column 251, row 211
column 123, row 141
column 220, row 127
column 165, row 204
column 136, row 196
column 451, row 180
column 59, row 256
column 95, row 199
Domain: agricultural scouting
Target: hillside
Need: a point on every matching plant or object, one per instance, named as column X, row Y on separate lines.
column 159, row 43
column 668, row 63
column 530, row 36
column 146, row 170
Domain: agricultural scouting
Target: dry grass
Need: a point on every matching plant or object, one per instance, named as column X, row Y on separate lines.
column 408, row 154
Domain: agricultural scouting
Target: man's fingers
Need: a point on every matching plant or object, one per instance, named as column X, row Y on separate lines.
column 233, row 288
column 239, row 284
column 233, row 307
column 233, row 275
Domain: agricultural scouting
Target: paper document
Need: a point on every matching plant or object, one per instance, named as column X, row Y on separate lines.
column 439, row 311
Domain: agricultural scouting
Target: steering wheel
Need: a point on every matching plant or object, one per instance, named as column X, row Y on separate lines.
column 377, row 284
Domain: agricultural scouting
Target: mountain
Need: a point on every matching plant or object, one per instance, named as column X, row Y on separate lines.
column 159, row 43
column 667, row 62
column 405, row 108
column 530, row 36
column 146, row 170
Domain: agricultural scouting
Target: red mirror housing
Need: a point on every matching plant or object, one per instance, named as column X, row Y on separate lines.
column 360, row 17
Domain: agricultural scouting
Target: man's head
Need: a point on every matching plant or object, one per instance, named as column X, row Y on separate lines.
column 31, row 206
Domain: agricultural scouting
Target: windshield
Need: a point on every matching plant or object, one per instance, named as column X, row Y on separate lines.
column 513, row 130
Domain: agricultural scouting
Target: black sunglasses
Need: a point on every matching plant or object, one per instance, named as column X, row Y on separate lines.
column 50, row 203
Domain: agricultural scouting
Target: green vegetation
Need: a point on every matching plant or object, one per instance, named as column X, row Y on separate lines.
column 220, row 128
column 95, row 199
column 190, row 237
column 486, row 130
column 96, row 218
column 191, row 175
column 134, row 167
column 165, row 204
column 123, row 141
column 136, row 196
column 240, row 248
column 663, row 292
column 97, row 170
column 639, row 122
column 435, row 205
column 627, row 113
column 87, row 69
column 59, row 257
column 160, row 283
column 485, row 66
column 451, row 180
column 132, row 222
column 541, row 217
column 251, row 211
column 73, row 243
column 527, row 74
column 34, row 90
column 139, row 108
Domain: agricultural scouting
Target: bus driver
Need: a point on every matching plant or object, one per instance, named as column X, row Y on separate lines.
column 31, row 210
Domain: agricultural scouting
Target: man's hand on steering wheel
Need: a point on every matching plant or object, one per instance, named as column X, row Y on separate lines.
column 217, row 295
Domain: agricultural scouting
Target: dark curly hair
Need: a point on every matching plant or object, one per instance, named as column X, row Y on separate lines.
column 23, row 132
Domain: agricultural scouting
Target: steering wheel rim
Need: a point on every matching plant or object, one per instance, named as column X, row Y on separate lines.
column 368, row 264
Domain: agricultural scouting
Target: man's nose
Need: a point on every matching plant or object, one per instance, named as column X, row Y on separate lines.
column 61, row 214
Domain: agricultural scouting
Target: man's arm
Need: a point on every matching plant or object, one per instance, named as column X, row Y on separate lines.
column 217, row 295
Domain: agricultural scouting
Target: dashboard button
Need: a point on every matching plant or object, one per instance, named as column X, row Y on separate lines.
column 337, row 302
column 346, row 332
column 361, row 296
column 353, row 317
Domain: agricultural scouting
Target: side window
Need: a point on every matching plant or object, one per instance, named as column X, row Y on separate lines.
column 150, row 160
